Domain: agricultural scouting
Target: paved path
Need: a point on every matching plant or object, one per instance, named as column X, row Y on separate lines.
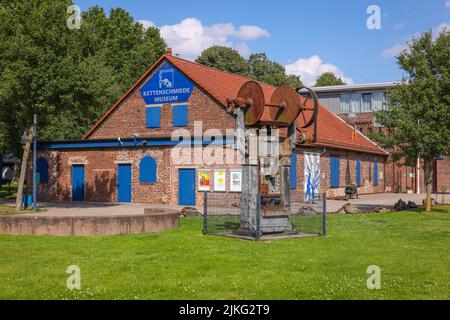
column 372, row 201
column 95, row 209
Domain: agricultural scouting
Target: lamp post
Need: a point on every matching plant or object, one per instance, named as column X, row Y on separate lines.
column 34, row 162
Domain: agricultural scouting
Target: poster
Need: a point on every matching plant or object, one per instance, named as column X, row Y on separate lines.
column 220, row 180
column 311, row 181
column 235, row 180
column 204, row 180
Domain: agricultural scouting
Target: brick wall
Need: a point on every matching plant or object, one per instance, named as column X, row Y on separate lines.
column 101, row 174
column 367, row 161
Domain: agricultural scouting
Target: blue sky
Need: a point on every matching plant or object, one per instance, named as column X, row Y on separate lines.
column 308, row 37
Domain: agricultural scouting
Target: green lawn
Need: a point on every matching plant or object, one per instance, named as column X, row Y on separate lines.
column 8, row 192
column 412, row 249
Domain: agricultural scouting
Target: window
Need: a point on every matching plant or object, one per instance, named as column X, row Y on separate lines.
column 334, row 172
column 345, row 103
column 367, row 102
column 42, row 170
column 355, row 101
column 378, row 100
column 375, row 173
column 358, row 173
column 180, row 115
column 293, row 171
column 147, row 170
column 153, row 117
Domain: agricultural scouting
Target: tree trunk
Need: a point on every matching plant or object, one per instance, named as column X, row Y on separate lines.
column 428, row 183
column 23, row 169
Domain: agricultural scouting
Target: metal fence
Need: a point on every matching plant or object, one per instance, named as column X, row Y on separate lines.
column 222, row 216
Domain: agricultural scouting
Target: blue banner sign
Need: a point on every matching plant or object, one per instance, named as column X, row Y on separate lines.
column 167, row 85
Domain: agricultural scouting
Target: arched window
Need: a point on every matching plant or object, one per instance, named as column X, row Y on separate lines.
column 42, row 169
column 147, row 170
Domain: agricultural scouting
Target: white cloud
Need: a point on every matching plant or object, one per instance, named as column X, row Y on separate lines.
column 312, row 68
column 447, row 4
column 190, row 37
column 147, row 23
column 395, row 50
column 400, row 25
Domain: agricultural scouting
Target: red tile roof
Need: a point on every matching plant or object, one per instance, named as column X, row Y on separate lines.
column 332, row 130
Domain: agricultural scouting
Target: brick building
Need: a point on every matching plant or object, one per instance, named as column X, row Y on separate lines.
column 355, row 105
column 128, row 155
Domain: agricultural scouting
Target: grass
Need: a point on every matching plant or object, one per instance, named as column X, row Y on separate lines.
column 411, row 248
column 7, row 192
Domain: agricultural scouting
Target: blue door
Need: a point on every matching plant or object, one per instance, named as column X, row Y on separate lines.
column 124, row 183
column 375, row 174
column 186, row 187
column 358, row 173
column 78, row 182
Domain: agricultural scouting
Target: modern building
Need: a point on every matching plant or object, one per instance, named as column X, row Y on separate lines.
column 132, row 154
column 355, row 104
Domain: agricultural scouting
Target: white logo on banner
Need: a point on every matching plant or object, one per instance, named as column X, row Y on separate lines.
column 311, row 181
column 166, row 78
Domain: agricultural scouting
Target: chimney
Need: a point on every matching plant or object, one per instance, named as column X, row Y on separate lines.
column 169, row 51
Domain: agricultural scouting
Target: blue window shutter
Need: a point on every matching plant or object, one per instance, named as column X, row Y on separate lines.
column 180, row 115
column 293, row 171
column 375, row 174
column 42, row 169
column 334, row 172
column 358, row 173
column 147, row 170
column 153, row 117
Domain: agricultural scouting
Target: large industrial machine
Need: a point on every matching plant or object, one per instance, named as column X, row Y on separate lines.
column 268, row 132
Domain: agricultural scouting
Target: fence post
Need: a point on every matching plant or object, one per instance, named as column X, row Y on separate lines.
column 324, row 214
column 205, row 212
column 258, row 217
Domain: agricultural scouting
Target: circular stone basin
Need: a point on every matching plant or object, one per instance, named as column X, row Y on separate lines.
column 153, row 220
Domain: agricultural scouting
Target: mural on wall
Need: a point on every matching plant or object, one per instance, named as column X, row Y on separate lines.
column 167, row 85
column 311, row 181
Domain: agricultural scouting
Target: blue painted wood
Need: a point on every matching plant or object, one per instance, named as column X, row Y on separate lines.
column 186, row 187
column 358, row 173
column 180, row 116
column 334, row 172
column 375, row 173
column 293, row 171
column 147, row 170
column 153, row 117
column 42, row 169
column 124, row 183
column 127, row 143
column 78, row 182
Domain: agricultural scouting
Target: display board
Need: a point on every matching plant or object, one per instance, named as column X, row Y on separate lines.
column 235, row 180
column 220, row 180
column 204, row 180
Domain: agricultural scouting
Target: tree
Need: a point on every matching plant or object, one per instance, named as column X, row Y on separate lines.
column 225, row 59
column 258, row 67
column 418, row 109
column 265, row 70
column 69, row 77
column 329, row 79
